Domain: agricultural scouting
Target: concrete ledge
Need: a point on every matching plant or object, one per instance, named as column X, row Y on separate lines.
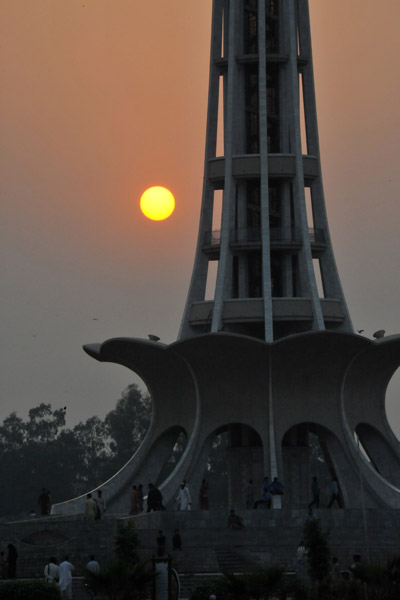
column 249, row 166
column 252, row 309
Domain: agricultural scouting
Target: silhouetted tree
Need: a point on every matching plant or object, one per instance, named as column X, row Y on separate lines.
column 42, row 452
column 128, row 423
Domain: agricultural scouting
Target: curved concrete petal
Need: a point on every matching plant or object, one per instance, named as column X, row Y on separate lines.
column 364, row 392
column 175, row 407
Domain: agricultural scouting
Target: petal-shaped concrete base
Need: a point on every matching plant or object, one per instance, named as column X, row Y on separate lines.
column 334, row 383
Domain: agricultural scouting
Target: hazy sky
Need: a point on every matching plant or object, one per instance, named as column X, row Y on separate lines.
column 101, row 99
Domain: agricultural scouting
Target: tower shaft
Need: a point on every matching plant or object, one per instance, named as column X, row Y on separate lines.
column 264, row 262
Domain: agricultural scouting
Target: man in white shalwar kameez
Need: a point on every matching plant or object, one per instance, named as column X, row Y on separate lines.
column 65, row 578
column 184, row 500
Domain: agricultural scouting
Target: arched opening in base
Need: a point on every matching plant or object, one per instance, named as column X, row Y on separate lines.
column 234, row 465
column 306, row 454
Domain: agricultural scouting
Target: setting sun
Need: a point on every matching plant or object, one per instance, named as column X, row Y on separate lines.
column 157, row 203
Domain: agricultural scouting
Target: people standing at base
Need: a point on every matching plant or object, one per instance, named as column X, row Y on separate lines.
column 203, row 495
column 234, row 521
column 12, row 556
column 266, row 495
column 93, row 565
column 335, row 494
column 65, row 570
column 176, row 540
column 51, row 572
column 183, row 499
column 90, row 508
column 316, row 492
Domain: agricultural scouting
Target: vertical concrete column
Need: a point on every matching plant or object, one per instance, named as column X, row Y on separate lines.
column 329, row 272
column 224, row 276
column 264, row 192
column 309, row 284
column 242, row 226
column 284, row 103
column 198, row 281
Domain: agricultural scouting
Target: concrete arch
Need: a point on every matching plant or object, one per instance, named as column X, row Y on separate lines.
column 297, row 474
column 380, row 452
column 245, row 460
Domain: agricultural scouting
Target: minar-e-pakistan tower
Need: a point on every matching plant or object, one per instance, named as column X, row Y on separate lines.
column 271, row 358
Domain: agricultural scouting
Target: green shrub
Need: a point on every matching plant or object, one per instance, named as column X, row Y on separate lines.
column 318, row 553
column 28, row 589
column 126, row 543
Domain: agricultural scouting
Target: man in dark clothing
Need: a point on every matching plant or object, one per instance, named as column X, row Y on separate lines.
column 154, row 499
column 266, row 495
column 161, row 543
column 176, row 540
column 335, row 494
column 12, row 556
column 315, row 493
column 44, row 502
column 276, row 487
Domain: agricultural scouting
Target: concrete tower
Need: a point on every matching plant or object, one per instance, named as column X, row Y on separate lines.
column 268, row 358
column 276, row 273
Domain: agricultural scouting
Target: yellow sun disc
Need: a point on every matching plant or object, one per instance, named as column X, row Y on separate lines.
column 157, row 203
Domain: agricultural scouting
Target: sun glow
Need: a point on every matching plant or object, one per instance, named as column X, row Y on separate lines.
column 157, row 203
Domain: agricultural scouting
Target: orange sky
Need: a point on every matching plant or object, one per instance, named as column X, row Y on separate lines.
column 101, row 99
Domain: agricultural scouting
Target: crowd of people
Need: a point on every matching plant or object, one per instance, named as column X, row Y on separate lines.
column 155, row 501
column 95, row 507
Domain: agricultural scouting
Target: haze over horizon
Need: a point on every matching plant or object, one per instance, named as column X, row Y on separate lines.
column 101, row 100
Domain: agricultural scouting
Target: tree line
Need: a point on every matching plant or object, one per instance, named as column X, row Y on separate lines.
column 42, row 452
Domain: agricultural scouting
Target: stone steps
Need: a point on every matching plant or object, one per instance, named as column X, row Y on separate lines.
column 190, row 582
column 270, row 537
column 232, row 561
column 79, row 590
